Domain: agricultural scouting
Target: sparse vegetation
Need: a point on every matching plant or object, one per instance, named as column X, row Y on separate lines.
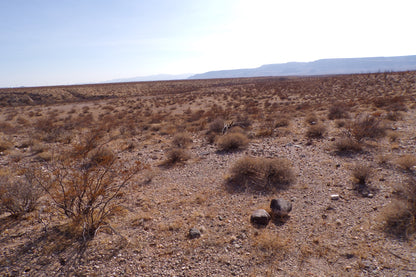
column 261, row 174
column 75, row 140
column 232, row 142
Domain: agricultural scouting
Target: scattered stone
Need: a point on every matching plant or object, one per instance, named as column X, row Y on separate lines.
column 334, row 196
column 370, row 195
column 280, row 207
column 194, row 233
column 260, row 217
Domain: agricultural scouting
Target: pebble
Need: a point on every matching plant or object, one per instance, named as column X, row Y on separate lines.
column 334, row 196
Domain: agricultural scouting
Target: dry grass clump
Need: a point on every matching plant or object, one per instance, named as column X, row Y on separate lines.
column 316, row 131
column 360, row 175
column 18, row 195
column 261, row 174
column 5, row 145
column 232, row 142
column 175, row 156
column 338, row 111
column 367, row 126
column 281, row 120
column 347, row 145
column 311, row 119
column 400, row 215
column 407, row 162
column 181, row 140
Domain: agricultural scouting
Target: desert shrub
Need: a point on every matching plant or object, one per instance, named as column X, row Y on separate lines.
column 394, row 116
column 232, row 142
column 216, row 126
column 316, row 131
column 85, row 185
column 175, row 156
column 347, row 145
column 360, row 174
column 5, row 145
column 281, row 121
column 181, row 140
column 367, row 126
column 18, row 195
column 400, row 214
column 407, row 162
column 311, row 118
column 261, row 173
column 338, row 111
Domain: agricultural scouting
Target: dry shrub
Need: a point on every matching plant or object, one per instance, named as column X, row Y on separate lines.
column 311, row 119
column 261, row 173
column 338, row 111
column 181, row 140
column 5, row 145
column 281, row 121
column 361, row 173
column 367, row 126
column 216, row 126
column 175, row 156
column 85, row 187
column 18, row 195
column 347, row 145
column 400, row 214
column 316, row 131
column 407, row 162
column 232, row 142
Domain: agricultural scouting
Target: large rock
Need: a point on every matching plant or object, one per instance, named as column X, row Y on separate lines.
column 280, row 207
column 260, row 217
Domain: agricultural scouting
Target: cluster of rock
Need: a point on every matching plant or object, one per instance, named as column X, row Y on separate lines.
column 280, row 208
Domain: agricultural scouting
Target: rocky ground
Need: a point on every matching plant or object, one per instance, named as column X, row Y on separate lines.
column 322, row 236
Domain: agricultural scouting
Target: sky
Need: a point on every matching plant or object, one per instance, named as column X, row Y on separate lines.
column 59, row 42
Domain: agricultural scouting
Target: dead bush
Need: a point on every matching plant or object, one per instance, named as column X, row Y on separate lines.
column 232, row 142
column 316, row 131
column 407, row 162
column 347, row 145
column 400, row 214
column 261, row 173
column 338, row 111
column 311, row 119
column 367, row 126
column 18, row 195
column 175, row 156
column 181, row 140
column 281, row 121
column 216, row 126
column 87, row 186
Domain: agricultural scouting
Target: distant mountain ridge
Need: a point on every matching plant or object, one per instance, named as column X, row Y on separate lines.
column 319, row 67
column 158, row 77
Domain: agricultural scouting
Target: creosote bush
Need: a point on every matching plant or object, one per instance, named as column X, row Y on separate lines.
column 232, row 142
column 87, row 187
column 261, row 173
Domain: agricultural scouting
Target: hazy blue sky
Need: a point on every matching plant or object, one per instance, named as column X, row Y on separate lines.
column 47, row 42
